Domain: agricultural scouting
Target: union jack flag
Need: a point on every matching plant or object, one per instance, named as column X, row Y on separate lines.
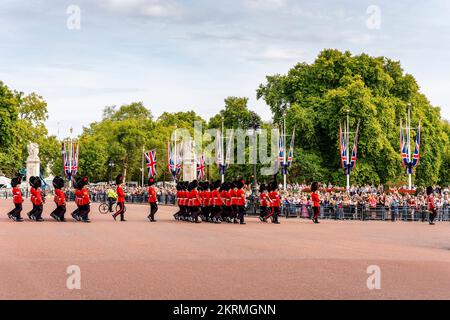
column 70, row 151
column 348, row 166
column 201, row 168
column 406, row 163
column 150, row 162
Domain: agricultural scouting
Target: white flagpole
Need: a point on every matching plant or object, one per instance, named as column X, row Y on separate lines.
column 284, row 154
column 347, row 137
column 409, row 146
column 222, row 160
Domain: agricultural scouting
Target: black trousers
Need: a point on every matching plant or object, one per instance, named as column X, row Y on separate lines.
column 60, row 211
column 16, row 211
column 263, row 211
column 316, row 213
column 83, row 211
column 195, row 211
column 153, row 210
column 36, row 211
column 240, row 213
column 216, row 212
column 120, row 211
column 433, row 215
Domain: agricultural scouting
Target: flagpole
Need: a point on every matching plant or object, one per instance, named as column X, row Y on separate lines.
column 284, row 154
column 347, row 135
column 71, row 157
column 222, row 160
column 408, row 125
column 142, row 158
column 175, row 161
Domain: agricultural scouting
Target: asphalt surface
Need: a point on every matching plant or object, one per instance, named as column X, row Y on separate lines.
column 178, row 260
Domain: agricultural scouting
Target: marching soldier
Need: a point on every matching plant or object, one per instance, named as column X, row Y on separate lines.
column 240, row 202
column 431, row 206
column 315, row 201
column 152, row 200
column 82, row 201
column 195, row 201
column 60, row 200
column 17, row 200
column 234, row 208
column 264, row 203
column 275, row 203
column 226, row 207
column 217, row 203
column 179, row 201
column 120, row 199
column 36, row 199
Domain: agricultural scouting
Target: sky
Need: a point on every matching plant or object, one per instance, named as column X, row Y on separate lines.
column 174, row 55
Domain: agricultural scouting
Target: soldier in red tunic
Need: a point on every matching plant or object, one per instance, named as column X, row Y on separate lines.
column 240, row 202
column 315, row 201
column 217, row 203
column 265, row 207
column 226, row 207
column 36, row 199
column 152, row 199
column 120, row 199
column 60, row 200
column 82, row 201
column 195, row 201
column 17, row 200
column 275, row 203
column 431, row 206
column 179, row 201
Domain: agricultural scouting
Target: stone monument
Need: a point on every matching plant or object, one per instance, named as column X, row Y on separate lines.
column 189, row 161
column 33, row 161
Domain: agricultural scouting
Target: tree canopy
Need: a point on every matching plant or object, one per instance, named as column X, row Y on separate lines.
column 376, row 92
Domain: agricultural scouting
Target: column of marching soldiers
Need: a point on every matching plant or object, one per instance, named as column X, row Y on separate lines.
column 198, row 201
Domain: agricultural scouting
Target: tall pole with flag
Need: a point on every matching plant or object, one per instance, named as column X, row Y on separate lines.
column 70, row 152
column 348, row 161
column 285, row 160
column 409, row 160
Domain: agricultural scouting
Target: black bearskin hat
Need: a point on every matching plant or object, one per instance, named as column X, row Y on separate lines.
column 273, row 186
column 81, row 182
column 240, row 184
column 430, row 191
column 15, row 182
column 314, row 186
column 262, row 188
column 119, row 179
column 151, row 181
column 217, row 184
column 35, row 182
column 58, row 182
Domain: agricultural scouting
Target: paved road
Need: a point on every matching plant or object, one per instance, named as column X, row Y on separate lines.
column 177, row 260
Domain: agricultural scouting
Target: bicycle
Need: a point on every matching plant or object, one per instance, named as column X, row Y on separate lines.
column 104, row 208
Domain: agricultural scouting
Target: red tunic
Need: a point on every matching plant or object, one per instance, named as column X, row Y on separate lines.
column 59, row 198
column 263, row 200
column 274, row 198
column 36, row 196
column 227, row 197
column 431, row 203
column 240, row 197
column 120, row 195
column 315, row 199
column 194, row 198
column 217, row 199
column 152, row 195
column 17, row 195
column 233, row 197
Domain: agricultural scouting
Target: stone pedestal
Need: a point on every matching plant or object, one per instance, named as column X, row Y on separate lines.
column 189, row 162
column 33, row 161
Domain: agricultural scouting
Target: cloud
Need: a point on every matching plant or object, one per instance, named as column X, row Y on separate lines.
column 265, row 4
column 146, row 8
